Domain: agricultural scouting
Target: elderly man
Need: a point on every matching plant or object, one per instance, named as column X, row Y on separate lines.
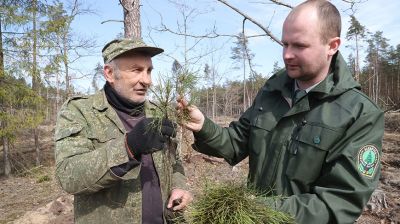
column 109, row 154
column 311, row 135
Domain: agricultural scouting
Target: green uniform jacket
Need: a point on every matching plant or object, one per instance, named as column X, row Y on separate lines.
column 89, row 141
column 322, row 154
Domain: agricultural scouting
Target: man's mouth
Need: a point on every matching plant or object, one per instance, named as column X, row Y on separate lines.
column 141, row 91
column 291, row 66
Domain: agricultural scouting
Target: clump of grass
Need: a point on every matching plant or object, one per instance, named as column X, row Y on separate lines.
column 232, row 204
column 43, row 178
column 39, row 173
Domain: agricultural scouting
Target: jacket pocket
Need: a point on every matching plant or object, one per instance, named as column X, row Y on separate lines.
column 307, row 152
column 67, row 131
column 99, row 136
column 261, row 127
column 99, row 139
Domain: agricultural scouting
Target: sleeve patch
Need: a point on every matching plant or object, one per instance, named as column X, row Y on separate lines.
column 368, row 160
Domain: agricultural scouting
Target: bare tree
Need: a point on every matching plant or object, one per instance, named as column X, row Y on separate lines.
column 265, row 29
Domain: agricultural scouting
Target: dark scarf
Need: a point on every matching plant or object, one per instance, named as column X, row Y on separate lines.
column 121, row 103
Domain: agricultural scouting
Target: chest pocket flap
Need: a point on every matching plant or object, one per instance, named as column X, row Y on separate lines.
column 319, row 136
column 265, row 121
column 67, row 131
column 101, row 135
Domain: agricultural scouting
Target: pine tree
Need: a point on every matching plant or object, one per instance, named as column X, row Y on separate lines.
column 377, row 54
column 356, row 32
column 242, row 54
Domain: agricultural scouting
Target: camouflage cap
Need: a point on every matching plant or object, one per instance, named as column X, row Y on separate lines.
column 120, row 46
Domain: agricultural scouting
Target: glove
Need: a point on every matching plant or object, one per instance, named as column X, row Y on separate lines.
column 147, row 137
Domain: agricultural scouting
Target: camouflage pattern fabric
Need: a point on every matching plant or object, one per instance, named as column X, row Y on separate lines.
column 89, row 141
column 120, row 46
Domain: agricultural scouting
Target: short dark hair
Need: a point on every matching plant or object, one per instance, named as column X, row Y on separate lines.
column 329, row 18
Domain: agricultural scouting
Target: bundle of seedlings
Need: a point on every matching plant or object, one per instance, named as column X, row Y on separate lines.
column 232, row 203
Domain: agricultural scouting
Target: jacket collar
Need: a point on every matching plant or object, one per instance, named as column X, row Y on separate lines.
column 336, row 83
column 100, row 102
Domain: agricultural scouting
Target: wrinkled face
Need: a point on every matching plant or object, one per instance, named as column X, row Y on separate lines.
column 131, row 78
column 306, row 57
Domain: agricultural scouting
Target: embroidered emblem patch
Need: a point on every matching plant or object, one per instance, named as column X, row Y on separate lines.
column 368, row 159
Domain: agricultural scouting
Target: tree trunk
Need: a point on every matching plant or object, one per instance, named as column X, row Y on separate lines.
column 398, row 84
column 57, row 92
column 47, row 105
column 207, row 109
column 37, row 147
column 35, row 75
column 65, row 61
column 357, row 64
column 377, row 83
column 1, row 55
column 7, row 166
column 132, row 26
column 370, row 82
column 6, row 160
column 244, row 83
column 214, row 104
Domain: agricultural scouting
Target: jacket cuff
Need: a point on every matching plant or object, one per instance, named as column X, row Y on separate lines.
column 116, row 152
column 205, row 131
column 179, row 181
column 273, row 202
column 122, row 169
column 118, row 160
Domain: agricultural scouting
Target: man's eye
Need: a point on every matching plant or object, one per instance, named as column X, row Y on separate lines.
column 301, row 46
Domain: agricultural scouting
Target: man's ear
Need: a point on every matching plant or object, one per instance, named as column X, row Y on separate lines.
column 108, row 73
column 334, row 44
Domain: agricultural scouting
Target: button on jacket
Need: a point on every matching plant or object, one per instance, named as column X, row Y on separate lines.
column 312, row 153
column 90, row 139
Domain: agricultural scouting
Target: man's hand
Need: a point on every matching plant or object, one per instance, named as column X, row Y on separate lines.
column 146, row 137
column 179, row 199
column 196, row 116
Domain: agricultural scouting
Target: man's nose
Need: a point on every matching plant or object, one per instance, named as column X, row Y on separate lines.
column 287, row 53
column 146, row 79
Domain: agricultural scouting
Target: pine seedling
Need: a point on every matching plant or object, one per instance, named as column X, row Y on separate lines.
column 233, row 203
column 180, row 83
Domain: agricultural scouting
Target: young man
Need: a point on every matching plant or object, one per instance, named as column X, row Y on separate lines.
column 108, row 153
column 311, row 135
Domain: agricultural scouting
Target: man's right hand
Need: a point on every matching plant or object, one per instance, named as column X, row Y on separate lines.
column 146, row 137
column 196, row 121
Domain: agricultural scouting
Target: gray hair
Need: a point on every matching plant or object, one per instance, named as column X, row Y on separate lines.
column 114, row 65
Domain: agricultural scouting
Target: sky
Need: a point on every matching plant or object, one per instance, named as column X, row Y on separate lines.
column 208, row 15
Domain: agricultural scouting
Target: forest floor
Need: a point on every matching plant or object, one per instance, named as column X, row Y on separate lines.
column 32, row 196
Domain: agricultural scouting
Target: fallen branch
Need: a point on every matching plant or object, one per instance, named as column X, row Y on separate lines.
column 211, row 160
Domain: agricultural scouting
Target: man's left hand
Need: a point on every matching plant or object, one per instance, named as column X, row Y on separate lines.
column 181, row 196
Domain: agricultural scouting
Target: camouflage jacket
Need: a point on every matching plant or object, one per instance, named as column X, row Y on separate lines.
column 89, row 141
